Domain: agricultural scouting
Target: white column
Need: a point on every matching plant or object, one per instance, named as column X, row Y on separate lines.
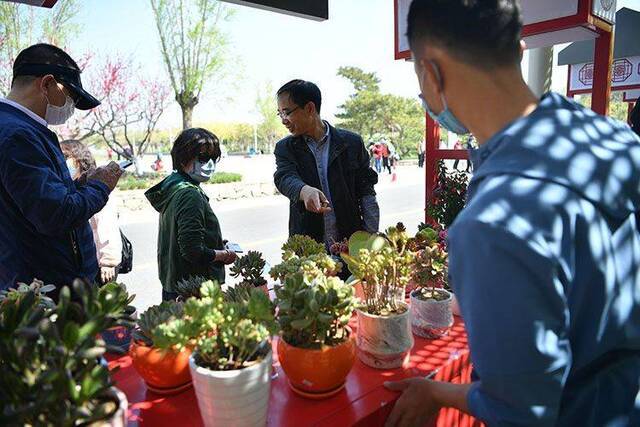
column 540, row 69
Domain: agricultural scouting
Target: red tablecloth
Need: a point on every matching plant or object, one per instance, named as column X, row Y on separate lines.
column 363, row 402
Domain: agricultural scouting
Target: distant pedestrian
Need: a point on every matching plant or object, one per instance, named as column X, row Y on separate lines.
column 377, row 156
column 386, row 154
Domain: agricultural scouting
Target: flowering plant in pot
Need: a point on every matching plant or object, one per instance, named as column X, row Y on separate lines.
column 51, row 370
column 431, row 315
column 165, row 371
column 303, row 254
column 250, row 267
column 381, row 264
column 316, row 348
column 231, row 361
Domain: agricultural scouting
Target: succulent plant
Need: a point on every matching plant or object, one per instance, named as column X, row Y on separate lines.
column 38, row 288
column 310, row 266
column 50, row 370
column 189, row 287
column 302, row 246
column 155, row 316
column 241, row 292
column 250, row 268
column 382, row 264
column 314, row 312
column 227, row 335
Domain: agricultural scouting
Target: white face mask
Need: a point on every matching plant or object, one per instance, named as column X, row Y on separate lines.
column 202, row 171
column 59, row 115
column 72, row 168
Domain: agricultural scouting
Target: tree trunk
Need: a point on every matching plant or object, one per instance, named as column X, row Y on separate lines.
column 137, row 165
column 187, row 114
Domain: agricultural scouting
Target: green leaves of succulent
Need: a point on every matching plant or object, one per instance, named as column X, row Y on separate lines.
column 313, row 311
column 382, row 264
column 302, row 246
column 250, row 267
column 155, row 316
column 226, row 334
column 50, row 373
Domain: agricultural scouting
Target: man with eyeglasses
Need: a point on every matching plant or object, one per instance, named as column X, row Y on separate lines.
column 44, row 214
column 323, row 170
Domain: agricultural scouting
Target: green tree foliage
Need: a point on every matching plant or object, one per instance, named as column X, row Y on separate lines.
column 23, row 25
column 376, row 115
column 270, row 130
column 192, row 45
column 617, row 108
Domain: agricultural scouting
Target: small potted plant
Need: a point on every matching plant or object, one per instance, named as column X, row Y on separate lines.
column 250, row 268
column 231, row 360
column 303, row 254
column 316, row 349
column 381, row 263
column 118, row 338
column 50, row 357
column 165, row 371
column 428, row 235
column 431, row 315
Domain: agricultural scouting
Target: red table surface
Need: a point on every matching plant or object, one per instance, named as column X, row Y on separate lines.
column 363, row 402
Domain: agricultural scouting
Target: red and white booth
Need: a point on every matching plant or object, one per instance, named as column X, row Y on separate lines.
column 625, row 69
column 546, row 23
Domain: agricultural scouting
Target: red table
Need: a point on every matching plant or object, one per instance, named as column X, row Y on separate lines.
column 363, row 402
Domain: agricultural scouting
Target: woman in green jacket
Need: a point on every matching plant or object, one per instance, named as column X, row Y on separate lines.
column 189, row 239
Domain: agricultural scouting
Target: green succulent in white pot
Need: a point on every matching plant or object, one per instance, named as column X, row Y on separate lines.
column 231, row 361
column 381, row 267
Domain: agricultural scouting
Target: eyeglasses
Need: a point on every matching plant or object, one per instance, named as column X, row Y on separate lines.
column 286, row 114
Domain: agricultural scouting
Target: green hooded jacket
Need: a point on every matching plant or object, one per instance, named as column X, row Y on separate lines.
column 189, row 231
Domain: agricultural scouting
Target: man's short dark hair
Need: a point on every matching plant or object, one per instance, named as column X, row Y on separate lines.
column 189, row 143
column 41, row 53
column 483, row 33
column 302, row 92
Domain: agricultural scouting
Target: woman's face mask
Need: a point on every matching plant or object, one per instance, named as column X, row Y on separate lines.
column 202, row 171
column 73, row 170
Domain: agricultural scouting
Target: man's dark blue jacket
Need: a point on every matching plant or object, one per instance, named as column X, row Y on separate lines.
column 44, row 228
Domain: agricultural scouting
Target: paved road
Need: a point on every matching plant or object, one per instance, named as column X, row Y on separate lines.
column 258, row 224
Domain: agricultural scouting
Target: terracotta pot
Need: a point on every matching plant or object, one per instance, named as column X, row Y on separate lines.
column 431, row 318
column 384, row 342
column 238, row 398
column 161, row 369
column 317, row 373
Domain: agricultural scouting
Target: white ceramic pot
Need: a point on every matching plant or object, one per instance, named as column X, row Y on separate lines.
column 237, row 398
column 384, row 342
column 455, row 307
column 430, row 318
column 119, row 418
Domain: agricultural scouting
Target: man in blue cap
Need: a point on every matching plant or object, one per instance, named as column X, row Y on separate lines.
column 545, row 257
column 44, row 228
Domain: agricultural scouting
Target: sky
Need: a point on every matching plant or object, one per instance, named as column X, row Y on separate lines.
column 268, row 47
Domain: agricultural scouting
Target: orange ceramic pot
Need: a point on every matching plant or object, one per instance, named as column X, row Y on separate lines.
column 161, row 369
column 317, row 373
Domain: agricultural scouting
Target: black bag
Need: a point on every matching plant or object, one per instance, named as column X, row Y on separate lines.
column 127, row 255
